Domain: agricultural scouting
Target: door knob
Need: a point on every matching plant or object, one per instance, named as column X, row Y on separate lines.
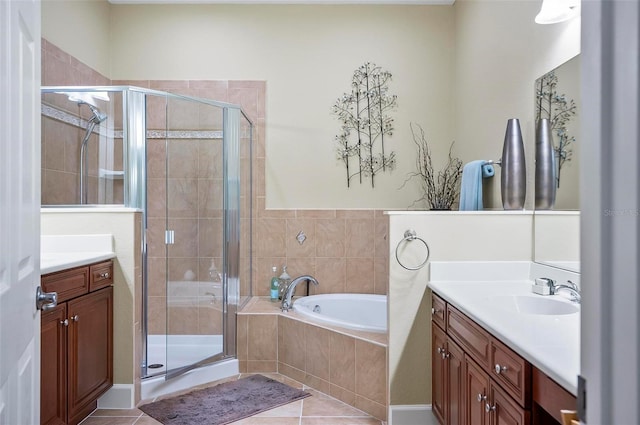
column 46, row 300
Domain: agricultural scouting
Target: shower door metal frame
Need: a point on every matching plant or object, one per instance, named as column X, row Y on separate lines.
column 230, row 276
column 135, row 196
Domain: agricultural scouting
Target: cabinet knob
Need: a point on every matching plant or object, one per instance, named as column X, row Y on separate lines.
column 500, row 369
column 434, row 310
column 481, row 398
column 64, row 322
column 75, row 318
column 440, row 350
column 488, row 408
column 104, row 275
column 446, row 355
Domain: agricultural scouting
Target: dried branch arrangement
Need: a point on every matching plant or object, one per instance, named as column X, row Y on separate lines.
column 365, row 124
column 559, row 111
column 441, row 189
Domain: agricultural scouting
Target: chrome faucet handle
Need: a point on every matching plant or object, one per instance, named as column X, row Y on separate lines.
column 545, row 281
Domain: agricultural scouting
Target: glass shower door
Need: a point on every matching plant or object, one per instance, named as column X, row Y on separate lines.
column 195, row 235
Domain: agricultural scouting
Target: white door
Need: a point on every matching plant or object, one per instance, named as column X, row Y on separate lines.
column 19, row 212
column 610, row 212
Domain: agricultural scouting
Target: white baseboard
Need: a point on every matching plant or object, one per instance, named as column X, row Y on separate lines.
column 120, row 396
column 413, row 414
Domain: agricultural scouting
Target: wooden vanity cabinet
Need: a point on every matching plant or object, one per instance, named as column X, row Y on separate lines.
column 76, row 347
column 53, row 366
column 448, row 378
column 477, row 380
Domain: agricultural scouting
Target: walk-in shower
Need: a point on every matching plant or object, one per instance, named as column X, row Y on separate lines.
column 185, row 163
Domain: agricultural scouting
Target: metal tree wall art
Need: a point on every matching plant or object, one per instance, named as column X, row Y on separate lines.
column 365, row 124
column 559, row 111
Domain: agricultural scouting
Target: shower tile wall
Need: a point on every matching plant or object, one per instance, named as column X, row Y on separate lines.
column 60, row 142
column 347, row 250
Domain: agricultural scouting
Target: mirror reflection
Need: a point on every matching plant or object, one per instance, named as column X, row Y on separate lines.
column 557, row 231
column 557, row 97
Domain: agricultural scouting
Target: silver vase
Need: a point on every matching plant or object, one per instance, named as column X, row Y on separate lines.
column 545, row 166
column 514, row 179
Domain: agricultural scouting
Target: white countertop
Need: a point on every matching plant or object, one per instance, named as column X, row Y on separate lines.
column 54, row 262
column 549, row 342
column 61, row 252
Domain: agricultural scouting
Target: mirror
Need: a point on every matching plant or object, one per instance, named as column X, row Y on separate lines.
column 557, row 231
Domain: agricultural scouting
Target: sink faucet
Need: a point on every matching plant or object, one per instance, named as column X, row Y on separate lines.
column 288, row 293
column 569, row 286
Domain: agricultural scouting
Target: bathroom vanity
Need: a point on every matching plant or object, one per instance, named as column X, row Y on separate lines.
column 493, row 363
column 76, row 337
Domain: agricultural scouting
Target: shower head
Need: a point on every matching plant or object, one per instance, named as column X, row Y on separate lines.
column 97, row 116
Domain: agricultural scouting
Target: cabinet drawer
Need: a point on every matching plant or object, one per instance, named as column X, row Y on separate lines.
column 511, row 372
column 473, row 339
column 438, row 308
column 100, row 275
column 68, row 283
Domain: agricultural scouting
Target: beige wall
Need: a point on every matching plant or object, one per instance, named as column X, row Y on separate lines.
column 500, row 52
column 451, row 237
column 81, row 28
column 307, row 55
column 460, row 71
column 125, row 228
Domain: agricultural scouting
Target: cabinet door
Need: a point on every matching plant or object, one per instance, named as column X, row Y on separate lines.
column 53, row 366
column 455, row 381
column 90, row 347
column 476, row 393
column 504, row 411
column 438, row 374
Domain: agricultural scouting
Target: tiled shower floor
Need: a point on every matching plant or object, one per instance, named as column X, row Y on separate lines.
column 319, row 409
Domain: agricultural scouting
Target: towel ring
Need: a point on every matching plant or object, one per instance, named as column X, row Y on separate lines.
column 410, row 235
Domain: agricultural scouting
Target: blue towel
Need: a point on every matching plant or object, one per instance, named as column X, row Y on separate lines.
column 471, row 188
column 488, row 171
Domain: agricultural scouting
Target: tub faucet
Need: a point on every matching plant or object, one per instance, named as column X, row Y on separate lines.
column 288, row 293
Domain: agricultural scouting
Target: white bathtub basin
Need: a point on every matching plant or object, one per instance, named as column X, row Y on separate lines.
column 364, row 312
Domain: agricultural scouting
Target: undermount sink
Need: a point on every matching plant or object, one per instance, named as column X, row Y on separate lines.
column 535, row 304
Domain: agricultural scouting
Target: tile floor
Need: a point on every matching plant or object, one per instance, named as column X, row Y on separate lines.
column 319, row 409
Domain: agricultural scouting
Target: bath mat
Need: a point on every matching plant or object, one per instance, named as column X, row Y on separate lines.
column 224, row 403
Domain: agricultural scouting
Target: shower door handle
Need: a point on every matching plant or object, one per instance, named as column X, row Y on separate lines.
column 169, row 237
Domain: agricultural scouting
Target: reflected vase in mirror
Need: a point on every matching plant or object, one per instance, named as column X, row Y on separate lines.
column 513, row 183
column 545, row 190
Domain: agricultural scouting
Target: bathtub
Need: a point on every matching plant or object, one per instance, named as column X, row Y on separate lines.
column 362, row 312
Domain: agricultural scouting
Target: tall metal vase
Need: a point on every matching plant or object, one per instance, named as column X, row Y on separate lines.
column 514, row 177
column 545, row 166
